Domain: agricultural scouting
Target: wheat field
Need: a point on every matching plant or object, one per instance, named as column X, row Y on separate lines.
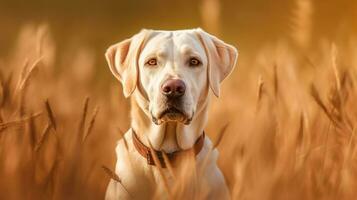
column 289, row 116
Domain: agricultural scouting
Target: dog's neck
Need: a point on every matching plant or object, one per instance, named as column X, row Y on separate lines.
column 169, row 136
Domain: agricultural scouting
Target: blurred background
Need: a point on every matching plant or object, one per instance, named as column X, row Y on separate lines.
column 289, row 103
column 250, row 25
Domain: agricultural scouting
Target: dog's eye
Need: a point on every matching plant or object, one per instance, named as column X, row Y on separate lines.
column 152, row 62
column 194, row 62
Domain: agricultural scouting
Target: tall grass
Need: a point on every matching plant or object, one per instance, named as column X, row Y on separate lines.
column 289, row 133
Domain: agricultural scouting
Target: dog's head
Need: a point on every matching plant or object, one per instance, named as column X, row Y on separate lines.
column 172, row 70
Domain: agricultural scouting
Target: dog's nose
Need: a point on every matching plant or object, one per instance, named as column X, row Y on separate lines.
column 173, row 88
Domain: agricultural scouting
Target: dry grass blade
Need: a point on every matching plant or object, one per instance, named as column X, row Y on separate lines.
column 6, row 90
column 220, row 135
column 83, row 118
column 260, row 88
column 32, row 132
column 334, row 66
column 50, row 181
column 347, row 157
column 349, row 147
column 300, row 135
column 326, row 146
column 354, row 149
column 169, row 166
column 1, row 118
column 215, row 145
column 160, row 169
column 19, row 121
column 2, row 89
column 114, row 176
column 259, row 92
column 276, row 82
column 43, row 137
column 111, row 174
column 319, row 102
column 91, row 123
column 28, row 75
column 23, row 73
column 50, row 114
column 121, row 133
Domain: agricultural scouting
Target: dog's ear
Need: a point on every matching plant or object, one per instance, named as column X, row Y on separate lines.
column 123, row 58
column 222, row 58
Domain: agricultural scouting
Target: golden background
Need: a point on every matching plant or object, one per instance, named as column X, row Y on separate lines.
column 289, row 104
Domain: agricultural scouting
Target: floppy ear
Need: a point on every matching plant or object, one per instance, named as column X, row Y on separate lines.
column 222, row 58
column 123, row 58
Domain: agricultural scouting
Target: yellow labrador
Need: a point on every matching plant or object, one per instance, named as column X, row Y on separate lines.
column 168, row 75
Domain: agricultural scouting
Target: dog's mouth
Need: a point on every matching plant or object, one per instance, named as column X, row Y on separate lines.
column 171, row 114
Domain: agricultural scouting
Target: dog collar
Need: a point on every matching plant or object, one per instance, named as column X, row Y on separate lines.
column 147, row 153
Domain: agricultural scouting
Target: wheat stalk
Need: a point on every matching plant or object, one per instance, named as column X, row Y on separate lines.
column 215, row 145
column 83, row 118
column 19, row 121
column 50, row 114
column 220, row 135
column 115, row 177
column 169, row 166
column 26, row 77
column 91, row 123
column 43, row 137
column 123, row 137
column 32, row 132
column 160, row 169
column 319, row 102
column 6, row 90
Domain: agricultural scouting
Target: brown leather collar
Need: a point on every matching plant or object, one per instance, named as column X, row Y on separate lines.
column 146, row 153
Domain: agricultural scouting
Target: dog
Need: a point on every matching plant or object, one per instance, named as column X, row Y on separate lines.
column 168, row 76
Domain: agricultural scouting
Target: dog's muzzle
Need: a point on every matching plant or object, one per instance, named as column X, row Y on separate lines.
column 173, row 91
column 172, row 114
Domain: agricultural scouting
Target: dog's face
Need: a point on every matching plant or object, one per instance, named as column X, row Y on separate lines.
column 172, row 70
column 173, row 75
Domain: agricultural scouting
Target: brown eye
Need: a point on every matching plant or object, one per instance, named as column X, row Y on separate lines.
column 194, row 62
column 152, row 62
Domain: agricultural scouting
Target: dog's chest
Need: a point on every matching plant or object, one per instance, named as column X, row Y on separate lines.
column 145, row 181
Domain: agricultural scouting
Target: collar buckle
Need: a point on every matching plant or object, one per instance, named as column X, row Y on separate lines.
column 149, row 159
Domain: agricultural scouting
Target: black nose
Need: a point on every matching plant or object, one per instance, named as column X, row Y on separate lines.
column 173, row 88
